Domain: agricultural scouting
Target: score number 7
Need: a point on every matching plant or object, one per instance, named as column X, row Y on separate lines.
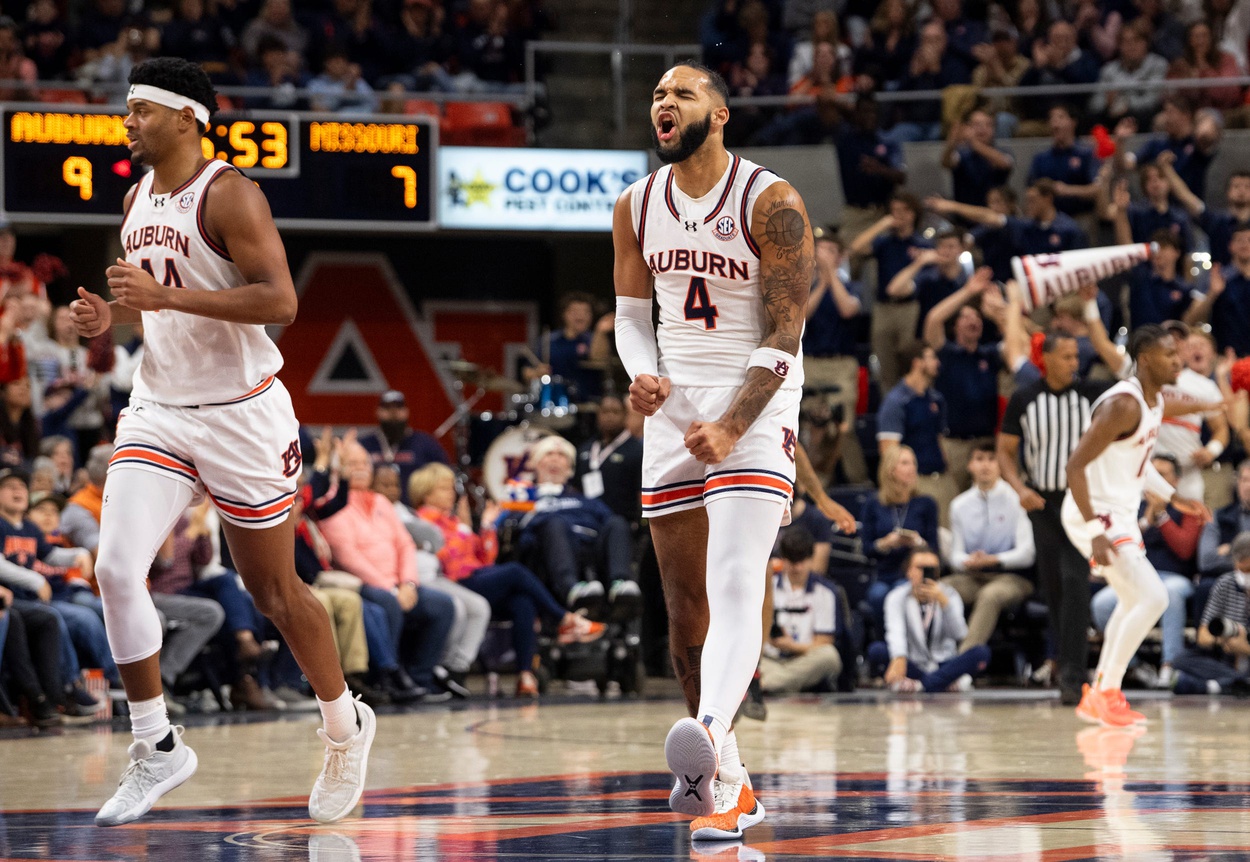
column 77, row 173
column 409, row 177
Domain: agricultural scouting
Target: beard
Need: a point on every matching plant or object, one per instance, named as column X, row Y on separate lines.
column 692, row 137
column 393, row 429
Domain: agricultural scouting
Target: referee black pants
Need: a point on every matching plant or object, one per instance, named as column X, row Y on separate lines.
column 1064, row 578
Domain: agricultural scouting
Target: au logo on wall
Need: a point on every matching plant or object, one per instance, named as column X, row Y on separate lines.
column 524, row 189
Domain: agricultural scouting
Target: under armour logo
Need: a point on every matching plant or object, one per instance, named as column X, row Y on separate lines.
column 692, row 226
column 692, row 788
column 158, row 202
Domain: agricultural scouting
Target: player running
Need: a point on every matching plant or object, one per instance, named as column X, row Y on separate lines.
column 205, row 271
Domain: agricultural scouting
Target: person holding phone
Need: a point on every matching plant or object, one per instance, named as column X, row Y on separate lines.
column 924, row 623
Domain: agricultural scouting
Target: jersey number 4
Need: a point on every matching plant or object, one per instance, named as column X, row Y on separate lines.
column 172, row 278
column 699, row 304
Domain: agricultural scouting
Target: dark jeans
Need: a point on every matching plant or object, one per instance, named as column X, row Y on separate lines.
column 971, row 663
column 1195, row 667
column 516, row 594
column 1064, row 577
column 562, row 555
column 877, row 591
column 420, row 633
column 241, row 613
column 32, row 650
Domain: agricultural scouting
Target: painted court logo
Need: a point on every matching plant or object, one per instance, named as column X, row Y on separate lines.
column 725, row 229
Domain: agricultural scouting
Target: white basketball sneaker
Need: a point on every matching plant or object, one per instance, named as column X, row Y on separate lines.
column 693, row 758
column 342, row 778
column 151, row 774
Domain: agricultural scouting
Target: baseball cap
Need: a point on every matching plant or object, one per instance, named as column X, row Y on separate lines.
column 18, row 473
column 392, row 398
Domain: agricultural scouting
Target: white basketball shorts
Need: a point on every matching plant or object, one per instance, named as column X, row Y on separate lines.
column 244, row 454
column 760, row 465
column 1121, row 528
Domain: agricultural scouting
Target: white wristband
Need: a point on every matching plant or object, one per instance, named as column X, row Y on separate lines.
column 1215, row 447
column 777, row 361
column 1096, row 527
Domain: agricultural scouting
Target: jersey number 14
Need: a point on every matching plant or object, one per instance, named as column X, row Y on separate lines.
column 699, row 304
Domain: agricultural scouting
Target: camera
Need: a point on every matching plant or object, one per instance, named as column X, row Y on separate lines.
column 1223, row 627
column 930, row 573
column 4, row 603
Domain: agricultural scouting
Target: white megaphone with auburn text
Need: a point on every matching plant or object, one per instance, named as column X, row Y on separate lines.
column 1043, row 278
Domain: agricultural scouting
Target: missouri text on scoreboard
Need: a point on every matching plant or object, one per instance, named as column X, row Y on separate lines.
column 319, row 171
column 501, row 188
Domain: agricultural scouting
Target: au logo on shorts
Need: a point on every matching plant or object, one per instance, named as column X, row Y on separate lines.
column 788, row 441
column 725, row 229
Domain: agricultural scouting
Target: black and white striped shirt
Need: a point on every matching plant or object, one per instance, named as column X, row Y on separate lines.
column 1049, row 423
column 1227, row 600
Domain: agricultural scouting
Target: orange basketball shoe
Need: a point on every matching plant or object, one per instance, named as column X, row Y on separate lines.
column 1102, row 707
column 694, row 761
column 737, row 809
column 1121, row 705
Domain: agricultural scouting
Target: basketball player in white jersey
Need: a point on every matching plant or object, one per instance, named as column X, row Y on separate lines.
column 205, row 272
column 725, row 248
column 1108, row 472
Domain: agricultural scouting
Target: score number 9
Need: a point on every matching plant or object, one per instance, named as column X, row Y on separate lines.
column 76, row 171
column 240, row 135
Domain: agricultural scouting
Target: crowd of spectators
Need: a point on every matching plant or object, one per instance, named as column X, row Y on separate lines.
column 349, row 52
column 835, row 50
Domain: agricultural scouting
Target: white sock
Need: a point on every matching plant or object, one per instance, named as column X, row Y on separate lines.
column 736, row 559
column 149, row 720
column 339, row 716
column 731, row 770
column 1142, row 600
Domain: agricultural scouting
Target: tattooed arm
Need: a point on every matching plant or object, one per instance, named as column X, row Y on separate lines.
column 780, row 228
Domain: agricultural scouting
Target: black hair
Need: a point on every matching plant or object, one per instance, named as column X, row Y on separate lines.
column 1240, row 227
column 984, row 446
column 911, row 352
column 714, row 79
column 1163, row 236
column 1067, row 107
column 796, row 545
column 1241, row 174
column 949, row 233
column 915, row 552
column 1052, row 340
column 1171, row 459
column 1145, row 337
column 910, row 201
column 178, row 76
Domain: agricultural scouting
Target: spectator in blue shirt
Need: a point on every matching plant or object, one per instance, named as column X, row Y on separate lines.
column 1156, row 293
column 934, row 275
column 1059, row 60
column 1072, row 166
column 895, row 243
column 340, row 87
column 932, row 68
column 1142, row 221
column 829, row 359
column 397, row 444
column 575, row 342
column 1194, row 141
column 963, row 35
column 995, row 242
column 1227, row 303
column 871, row 169
column 894, row 521
column 1217, row 224
column 807, row 127
column 1043, row 230
column 968, row 373
column 976, row 165
column 914, row 414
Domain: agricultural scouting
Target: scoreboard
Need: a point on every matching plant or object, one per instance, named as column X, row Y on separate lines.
column 329, row 172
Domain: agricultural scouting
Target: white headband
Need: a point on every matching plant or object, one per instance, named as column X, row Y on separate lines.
column 169, row 99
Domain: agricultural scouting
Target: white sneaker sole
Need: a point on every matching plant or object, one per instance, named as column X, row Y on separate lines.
column 693, row 762
column 157, row 791
column 745, row 822
column 369, row 729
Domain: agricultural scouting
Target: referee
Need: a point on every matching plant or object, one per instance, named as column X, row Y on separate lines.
column 1048, row 418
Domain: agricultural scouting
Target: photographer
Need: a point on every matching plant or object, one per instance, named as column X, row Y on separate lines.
column 800, row 651
column 1222, row 645
column 924, row 623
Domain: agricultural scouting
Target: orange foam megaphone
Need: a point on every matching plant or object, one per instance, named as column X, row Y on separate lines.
column 1043, row 278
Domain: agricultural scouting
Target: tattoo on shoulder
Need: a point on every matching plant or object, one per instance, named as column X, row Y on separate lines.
column 785, row 229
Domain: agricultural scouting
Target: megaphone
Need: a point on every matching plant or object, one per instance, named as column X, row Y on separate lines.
column 1043, row 278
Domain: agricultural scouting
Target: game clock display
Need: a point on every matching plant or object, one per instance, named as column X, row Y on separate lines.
column 319, row 171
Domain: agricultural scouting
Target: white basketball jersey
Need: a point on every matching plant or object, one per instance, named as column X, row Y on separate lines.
column 1117, row 477
column 188, row 359
column 1181, row 435
column 707, row 274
